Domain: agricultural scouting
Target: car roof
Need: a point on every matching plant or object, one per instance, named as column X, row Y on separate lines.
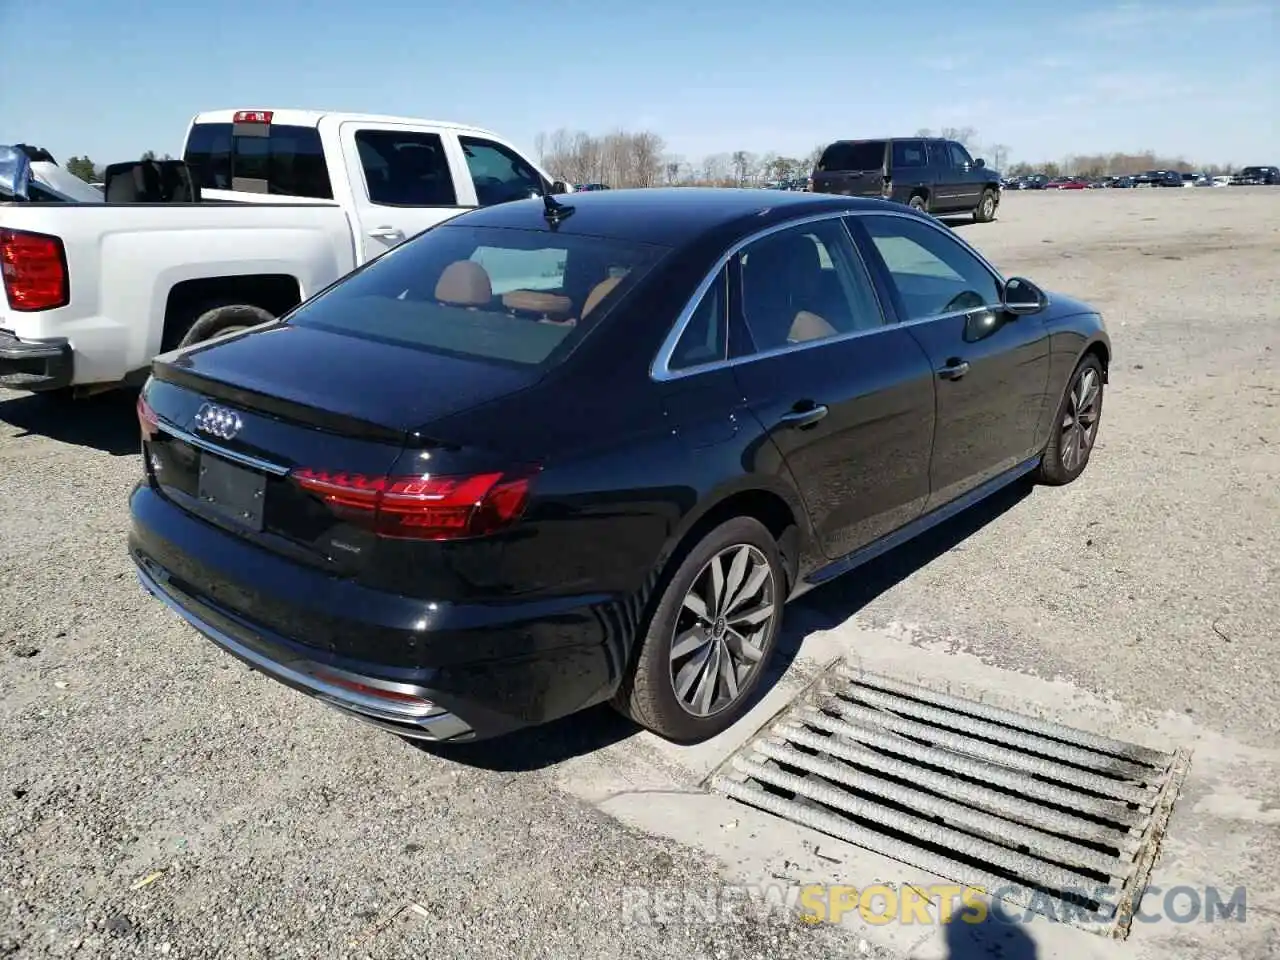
column 669, row 216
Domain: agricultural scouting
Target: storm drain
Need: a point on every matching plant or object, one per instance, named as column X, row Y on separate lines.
column 1054, row 820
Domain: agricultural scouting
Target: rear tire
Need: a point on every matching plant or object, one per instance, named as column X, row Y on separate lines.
column 212, row 320
column 697, row 670
column 1074, row 430
column 985, row 212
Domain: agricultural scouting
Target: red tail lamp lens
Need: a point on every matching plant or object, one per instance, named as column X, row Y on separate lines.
column 423, row 507
column 147, row 419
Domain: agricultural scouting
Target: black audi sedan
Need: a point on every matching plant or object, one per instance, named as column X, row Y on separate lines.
column 572, row 450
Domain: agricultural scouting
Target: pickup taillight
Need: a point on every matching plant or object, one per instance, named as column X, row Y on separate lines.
column 35, row 271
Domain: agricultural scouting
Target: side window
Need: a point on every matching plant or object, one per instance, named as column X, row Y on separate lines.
column 805, row 283
column 704, row 339
column 959, row 155
column 405, row 169
column 933, row 273
column 909, row 153
column 499, row 174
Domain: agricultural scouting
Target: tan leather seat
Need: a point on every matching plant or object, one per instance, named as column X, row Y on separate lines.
column 464, row 283
column 809, row 326
column 553, row 306
column 598, row 293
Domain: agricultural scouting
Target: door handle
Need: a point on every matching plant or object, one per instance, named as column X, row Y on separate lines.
column 804, row 417
column 387, row 233
column 954, row 370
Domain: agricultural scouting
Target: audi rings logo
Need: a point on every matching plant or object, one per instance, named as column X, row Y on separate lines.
column 218, row 421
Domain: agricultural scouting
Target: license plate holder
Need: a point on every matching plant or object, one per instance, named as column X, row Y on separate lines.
column 231, row 492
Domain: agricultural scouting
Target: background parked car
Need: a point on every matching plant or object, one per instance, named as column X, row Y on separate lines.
column 934, row 175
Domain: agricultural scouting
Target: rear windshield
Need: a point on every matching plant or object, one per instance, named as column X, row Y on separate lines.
column 288, row 162
column 853, row 155
column 521, row 297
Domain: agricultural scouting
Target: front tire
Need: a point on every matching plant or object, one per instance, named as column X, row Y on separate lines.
column 919, row 202
column 985, row 212
column 711, row 637
column 1075, row 429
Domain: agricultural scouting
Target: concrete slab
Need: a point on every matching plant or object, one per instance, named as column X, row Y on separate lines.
column 1225, row 818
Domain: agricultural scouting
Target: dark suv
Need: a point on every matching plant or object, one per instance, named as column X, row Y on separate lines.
column 934, row 175
column 1257, row 176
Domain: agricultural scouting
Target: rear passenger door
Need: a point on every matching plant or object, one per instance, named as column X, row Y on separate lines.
column 846, row 397
column 403, row 180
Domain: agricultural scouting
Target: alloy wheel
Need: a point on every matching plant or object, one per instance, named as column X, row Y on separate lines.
column 721, row 632
column 988, row 206
column 1080, row 420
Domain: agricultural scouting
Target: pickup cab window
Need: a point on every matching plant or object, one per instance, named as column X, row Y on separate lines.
column 405, row 169
column 499, row 174
column 288, row 161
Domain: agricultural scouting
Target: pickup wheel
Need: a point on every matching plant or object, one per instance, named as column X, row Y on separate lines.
column 213, row 320
column 985, row 211
column 919, row 202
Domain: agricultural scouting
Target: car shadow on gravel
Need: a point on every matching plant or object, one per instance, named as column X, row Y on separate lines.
column 106, row 422
column 828, row 606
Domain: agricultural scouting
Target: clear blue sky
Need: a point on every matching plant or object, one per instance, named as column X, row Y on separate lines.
column 1190, row 77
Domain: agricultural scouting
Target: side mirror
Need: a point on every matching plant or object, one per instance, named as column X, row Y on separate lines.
column 15, row 173
column 979, row 163
column 1022, row 297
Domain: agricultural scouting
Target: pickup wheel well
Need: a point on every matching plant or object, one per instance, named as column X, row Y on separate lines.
column 188, row 301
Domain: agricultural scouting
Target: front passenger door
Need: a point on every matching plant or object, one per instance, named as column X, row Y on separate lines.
column 991, row 367
column 498, row 173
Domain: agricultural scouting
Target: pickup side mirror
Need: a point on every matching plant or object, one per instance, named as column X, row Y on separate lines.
column 1022, row 297
column 979, row 163
column 15, row 173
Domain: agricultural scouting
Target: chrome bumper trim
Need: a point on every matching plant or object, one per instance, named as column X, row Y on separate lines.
column 419, row 723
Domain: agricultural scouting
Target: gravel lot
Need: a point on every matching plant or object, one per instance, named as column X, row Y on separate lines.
column 130, row 747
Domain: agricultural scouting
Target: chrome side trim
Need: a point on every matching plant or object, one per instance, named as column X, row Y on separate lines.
column 426, row 723
column 266, row 466
column 659, row 370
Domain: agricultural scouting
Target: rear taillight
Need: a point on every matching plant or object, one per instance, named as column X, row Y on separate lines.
column 423, row 507
column 147, row 419
column 35, row 271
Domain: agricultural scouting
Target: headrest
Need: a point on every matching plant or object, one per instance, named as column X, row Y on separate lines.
column 464, row 283
column 598, row 293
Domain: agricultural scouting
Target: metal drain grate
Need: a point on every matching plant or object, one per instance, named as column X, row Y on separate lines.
column 1052, row 819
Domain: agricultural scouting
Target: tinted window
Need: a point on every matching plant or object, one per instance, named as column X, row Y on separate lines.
column 909, row 153
column 959, row 155
column 805, row 283
column 405, row 169
column 704, row 339
column 853, row 155
column 289, row 161
column 516, row 296
column 499, row 174
column 933, row 273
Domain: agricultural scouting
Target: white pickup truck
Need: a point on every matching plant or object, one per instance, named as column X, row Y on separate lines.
column 285, row 202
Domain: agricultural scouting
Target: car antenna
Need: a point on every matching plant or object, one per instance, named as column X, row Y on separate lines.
column 555, row 211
